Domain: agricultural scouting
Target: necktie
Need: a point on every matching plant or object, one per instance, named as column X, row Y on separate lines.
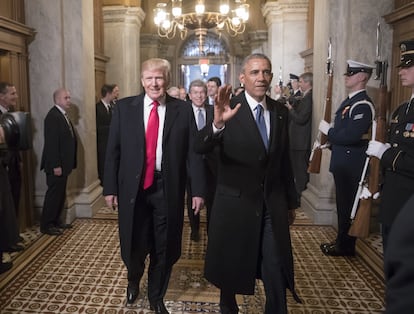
column 200, row 119
column 151, row 137
column 261, row 124
column 69, row 124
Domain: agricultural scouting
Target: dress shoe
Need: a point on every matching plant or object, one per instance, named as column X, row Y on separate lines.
column 159, row 308
column 51, row 231
column 334, row 250
column 14, row 248
column 5, row 267
column 64, row 226
column 132, row 292
column 323, row 246
column 195, row 236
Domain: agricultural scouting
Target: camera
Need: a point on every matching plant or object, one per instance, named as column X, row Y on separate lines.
column 17, row 130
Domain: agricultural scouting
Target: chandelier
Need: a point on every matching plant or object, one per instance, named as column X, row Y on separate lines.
column 172, row 17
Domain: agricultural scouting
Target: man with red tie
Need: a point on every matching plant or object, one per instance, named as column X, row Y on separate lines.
column 150, row 145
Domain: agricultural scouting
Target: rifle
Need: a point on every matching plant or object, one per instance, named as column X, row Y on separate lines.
column 316, row 154
column 362, row 207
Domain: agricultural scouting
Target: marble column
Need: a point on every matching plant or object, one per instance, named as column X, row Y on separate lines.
column 122, row 26
column 286, row 21
column 62, row 55
column 351, row 25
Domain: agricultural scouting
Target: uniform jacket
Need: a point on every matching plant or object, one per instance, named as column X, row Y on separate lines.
column 248, row 179
column 125, row 160
column 398, row 164
column 60, row 144
column 348, row 147
column 399, row 263
column 300, row 124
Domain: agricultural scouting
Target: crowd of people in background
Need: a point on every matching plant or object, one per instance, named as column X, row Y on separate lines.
column 238, row 152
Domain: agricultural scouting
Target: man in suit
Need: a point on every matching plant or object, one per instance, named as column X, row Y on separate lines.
column 397, row 155
column 11, row 157
column 213, row 85
column 58, row 161
column 349, row 140
column 9, row 230
column 104, row 108
column 203, row 114
column 300, row 129
column 150, row 146
column 255, row 195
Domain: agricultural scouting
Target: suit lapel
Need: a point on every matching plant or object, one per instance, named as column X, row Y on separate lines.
column 171, row 112
column 276, row 122
column 136, row 113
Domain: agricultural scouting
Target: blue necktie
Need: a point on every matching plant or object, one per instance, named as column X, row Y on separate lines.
column 200, row 120
column 261, row 124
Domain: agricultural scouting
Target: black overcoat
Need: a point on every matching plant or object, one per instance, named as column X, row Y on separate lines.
column 248, row 178
column 125, row 160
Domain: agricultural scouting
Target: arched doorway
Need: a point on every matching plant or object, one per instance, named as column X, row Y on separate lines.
column 204, row 56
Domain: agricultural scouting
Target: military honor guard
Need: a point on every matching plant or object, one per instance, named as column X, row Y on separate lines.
column 348, row 138
column 397, row 155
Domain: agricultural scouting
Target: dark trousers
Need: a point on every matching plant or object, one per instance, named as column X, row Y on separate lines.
column 150, row 236
column 54, row 201
column 271, row 272
column 346, row 186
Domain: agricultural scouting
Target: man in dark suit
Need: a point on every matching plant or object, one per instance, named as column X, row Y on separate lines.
column 9, row 230
column 104, row 108
column 11, row 160
column 203, row 114
column 349, row 141
column 255, row 196
column 150, row 146
column 399, row 262
column 397, row 155
column 300, row 130
column 58, row 161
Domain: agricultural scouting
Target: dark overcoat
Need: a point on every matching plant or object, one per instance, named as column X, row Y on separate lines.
column 125, row 161
column 248, row 178
column 398, row 165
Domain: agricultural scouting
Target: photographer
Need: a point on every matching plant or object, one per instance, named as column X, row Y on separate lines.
column 9, row 232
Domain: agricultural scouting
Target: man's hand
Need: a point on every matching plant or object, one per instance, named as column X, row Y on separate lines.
column 377, row 149
column 324, row 127
column 111, row 201
column 197, row 204
column 57, row 171
column 222, row 110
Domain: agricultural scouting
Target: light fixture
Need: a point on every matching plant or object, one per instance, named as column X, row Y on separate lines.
column 170, row 18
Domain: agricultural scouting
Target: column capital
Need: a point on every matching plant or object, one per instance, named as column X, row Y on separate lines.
column 285, row 9
column 122, row 14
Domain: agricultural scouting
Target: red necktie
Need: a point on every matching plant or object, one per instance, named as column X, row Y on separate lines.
column 151, row 137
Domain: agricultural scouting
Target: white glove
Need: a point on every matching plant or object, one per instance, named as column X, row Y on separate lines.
column 376, row 195
column 377, row 149
column 324, row 127
column 365, row 193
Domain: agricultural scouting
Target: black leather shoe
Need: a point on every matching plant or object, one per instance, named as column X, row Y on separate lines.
column 334, row 250
column 14, row 248
column 132, row 292
column 195, row 236
column 323, row 246
column 64, row 226
column 51, row 231
column 159, row 308
column 5, row 267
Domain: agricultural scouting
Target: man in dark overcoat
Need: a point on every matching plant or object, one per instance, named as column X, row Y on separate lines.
column 255, row 195
column 151, row 212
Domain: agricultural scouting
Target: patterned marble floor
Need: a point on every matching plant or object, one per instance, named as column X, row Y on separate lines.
column 81, row 272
